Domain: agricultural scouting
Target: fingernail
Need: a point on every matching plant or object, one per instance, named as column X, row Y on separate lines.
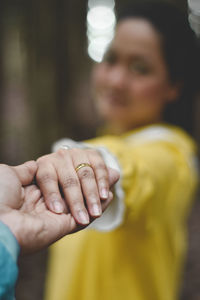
column 83, row 217
column 37, row 193
column 104, row 193
column 57, row 207
column 96, row 210
column 110, row 196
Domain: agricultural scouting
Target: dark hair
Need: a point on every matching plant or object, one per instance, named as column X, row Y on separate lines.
column 181, row 53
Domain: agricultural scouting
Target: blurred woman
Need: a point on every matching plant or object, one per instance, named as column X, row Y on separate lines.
column 145, row 90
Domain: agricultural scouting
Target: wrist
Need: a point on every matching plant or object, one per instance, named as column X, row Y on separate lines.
column 8, row 217
column 9, row 241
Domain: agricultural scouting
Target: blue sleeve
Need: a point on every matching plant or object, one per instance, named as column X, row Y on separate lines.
column 9, row 251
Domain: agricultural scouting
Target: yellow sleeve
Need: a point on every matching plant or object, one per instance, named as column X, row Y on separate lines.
column 158, row 178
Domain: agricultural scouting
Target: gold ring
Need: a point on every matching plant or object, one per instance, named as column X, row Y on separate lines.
column 82, row 166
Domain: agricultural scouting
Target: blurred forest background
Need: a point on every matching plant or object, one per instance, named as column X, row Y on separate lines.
column 45, row 95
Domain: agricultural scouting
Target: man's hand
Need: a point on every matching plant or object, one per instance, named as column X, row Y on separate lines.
column 12, row 180
column 24, row 211
column 34, row 226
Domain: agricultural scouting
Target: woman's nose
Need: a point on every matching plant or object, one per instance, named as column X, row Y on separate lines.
column 117, row 77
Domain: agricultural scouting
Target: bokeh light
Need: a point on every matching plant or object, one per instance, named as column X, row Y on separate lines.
column 105, row 3
column 194, row 15
column 101, row 22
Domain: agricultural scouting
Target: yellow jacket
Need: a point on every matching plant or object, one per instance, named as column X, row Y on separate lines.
column 142, row 257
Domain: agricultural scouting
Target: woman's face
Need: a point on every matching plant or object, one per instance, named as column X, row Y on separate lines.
column 132, row 85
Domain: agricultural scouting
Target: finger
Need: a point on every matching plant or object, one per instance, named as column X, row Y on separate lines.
column 26, row 172
column 71, row 187
column 113, row 176
column 88, row 182
column 28, row 190
column 32, row 194
column 106, row 203
column 101, row 173
column 47, row 180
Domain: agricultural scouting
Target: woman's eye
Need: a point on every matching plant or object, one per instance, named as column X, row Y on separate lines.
column 139, row 67
column 110, row 59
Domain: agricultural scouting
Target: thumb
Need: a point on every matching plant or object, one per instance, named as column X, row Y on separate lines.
column 113, row 176
column 26, row 172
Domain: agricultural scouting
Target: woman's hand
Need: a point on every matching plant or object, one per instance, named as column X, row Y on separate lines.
column 76, row 180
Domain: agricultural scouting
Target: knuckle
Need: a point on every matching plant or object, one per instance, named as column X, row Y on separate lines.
column 75, row 151
column 62, row 152
column 41, row 159
column 45, row 159
column 65, row 152
column 93, row 152
column 86, row 173
column 69, row 182
column 29, row 170
column 102, row 178
column 44, row 178
column 102, row 167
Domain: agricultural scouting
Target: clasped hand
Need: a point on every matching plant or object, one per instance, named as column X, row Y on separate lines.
column 64, row 199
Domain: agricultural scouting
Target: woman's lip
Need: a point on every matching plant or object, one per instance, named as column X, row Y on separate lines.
column 114, row 99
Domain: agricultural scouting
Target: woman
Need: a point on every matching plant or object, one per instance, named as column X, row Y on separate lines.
column 146, row 84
